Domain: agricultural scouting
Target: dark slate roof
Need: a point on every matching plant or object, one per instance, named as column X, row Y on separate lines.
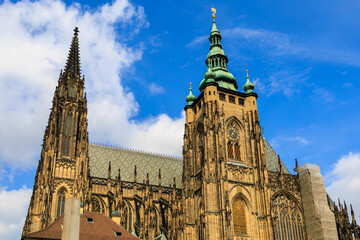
column 272, row 159
column 102, row 228
column 99, row 157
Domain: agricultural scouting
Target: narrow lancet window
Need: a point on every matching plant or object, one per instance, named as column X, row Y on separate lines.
column 230, row 150
column 61, row 203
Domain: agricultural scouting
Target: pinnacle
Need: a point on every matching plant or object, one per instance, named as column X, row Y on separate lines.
column 72, row 68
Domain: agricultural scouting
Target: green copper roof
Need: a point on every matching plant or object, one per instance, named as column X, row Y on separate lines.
column 214, row 29
column 249, row 86
column 190, row 98
column 217, row 64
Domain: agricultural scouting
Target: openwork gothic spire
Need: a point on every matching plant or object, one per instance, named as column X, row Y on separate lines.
column 72, row 68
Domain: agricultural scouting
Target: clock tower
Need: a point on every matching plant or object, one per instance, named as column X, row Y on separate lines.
column 224, row 173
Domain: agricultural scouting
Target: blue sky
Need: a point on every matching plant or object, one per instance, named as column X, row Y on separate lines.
column 138, row 58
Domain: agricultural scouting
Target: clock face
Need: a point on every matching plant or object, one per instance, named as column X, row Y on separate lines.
column 232, row 134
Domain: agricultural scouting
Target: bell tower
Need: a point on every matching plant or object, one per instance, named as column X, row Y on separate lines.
column 63, row 166
column 224, row 170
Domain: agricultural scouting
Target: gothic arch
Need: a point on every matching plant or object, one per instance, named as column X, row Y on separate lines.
column 139, row 209
column 235, row 139
column 127, row 215
column 97, row 204
column 156, row 220
column 241, row 222
column 235, row 120
column 287, row 216
column 239, row 190
column 60, row 201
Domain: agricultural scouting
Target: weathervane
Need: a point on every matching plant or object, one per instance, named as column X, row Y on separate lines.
column 214, row 11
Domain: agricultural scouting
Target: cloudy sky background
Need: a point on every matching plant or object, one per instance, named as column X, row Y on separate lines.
column 138, row 59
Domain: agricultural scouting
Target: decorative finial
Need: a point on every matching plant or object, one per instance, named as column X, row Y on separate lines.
column 76, row 30
column 249, row 86
column 213, row 11
column 190, row 98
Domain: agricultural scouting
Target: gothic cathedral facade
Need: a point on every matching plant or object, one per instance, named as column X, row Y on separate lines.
column 230, row 183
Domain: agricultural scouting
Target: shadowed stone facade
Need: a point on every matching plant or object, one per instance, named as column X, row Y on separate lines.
column 230, row 183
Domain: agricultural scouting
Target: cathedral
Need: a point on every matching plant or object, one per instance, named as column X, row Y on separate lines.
column 229, row 183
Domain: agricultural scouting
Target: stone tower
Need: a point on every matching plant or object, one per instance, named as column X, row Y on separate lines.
column 63, row 167
column 224, row 170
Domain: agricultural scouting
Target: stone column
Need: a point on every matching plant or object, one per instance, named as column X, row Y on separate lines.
column 319, row 220
column 71, row 224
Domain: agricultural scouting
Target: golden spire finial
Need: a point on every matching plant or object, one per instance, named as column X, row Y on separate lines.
column 214, row 11
column 246, row 67
column 190, row 84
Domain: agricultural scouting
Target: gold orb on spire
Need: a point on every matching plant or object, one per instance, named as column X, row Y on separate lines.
column 213, row 11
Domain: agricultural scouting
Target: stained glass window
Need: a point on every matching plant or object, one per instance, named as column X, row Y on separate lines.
column 288, row 220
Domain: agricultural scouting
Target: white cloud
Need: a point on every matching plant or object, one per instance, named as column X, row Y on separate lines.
column 284, row 81
column 35, row 40
column 13, row 209
column 347, row 85
column 344, row 181
column 196, row 41
column 155, row 89
column 322, row 95
column 298, row 139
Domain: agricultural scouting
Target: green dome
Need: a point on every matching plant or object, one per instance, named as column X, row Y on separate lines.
column 190, row 98
column 216, row 51
column 249, row 86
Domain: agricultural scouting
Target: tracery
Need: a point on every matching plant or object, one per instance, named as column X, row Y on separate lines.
column 288, row 222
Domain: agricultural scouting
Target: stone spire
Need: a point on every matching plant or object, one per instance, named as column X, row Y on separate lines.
column 216, row 62
column 65, row 140
column 72, row 68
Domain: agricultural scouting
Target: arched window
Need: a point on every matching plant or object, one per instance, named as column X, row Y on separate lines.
column 230, row 150
column 137, row 224
column 66, row 143
column 126, row 215
column 237, row 151
column 156, row 221
column 288, row 221
column 233, row 138
column 96, row 205
column 71, row 91
column 239, row 217
column 61, row 203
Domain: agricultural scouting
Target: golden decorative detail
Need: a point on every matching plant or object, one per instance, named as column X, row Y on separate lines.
column 214, row 11
column 239, row 217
